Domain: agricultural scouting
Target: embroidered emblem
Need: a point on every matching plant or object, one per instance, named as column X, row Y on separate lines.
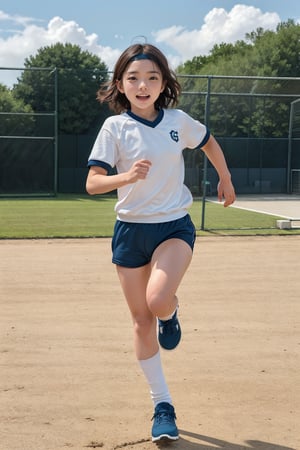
column 174, row 135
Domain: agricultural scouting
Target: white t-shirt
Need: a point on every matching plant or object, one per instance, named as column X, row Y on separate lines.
column 126, row 138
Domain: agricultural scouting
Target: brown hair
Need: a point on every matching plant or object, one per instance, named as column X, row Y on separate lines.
column 118, row 102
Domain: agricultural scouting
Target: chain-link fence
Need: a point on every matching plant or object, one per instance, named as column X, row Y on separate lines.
column 253, row 118
column 28, row 137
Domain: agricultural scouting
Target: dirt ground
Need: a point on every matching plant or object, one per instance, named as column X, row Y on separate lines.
column 68, row 374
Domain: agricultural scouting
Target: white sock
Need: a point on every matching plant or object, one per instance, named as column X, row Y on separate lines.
column 169, row 316
column 153, row 372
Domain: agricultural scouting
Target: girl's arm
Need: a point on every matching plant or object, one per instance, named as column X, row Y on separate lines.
column 225, row 188
column 99, row 183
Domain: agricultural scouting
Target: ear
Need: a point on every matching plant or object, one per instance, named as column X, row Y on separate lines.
column 163, row 86
column 119, row 86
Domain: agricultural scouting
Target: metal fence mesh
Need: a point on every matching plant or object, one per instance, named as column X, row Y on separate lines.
column 28, row 152
column 249, row 116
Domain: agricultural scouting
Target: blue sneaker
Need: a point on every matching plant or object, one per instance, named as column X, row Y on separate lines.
column 164, row 426
column 169, row 332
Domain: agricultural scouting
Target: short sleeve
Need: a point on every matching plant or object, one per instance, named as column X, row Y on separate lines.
column 196, row 134
column 105, row 148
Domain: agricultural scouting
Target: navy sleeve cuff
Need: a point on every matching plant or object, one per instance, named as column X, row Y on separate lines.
column 205, row 139
column 95, row 162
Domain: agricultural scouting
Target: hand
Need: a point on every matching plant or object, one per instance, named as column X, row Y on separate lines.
column 139, row 170
column 226, row 191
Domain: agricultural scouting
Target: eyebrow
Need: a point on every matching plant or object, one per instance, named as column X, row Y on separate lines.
column 136, row 71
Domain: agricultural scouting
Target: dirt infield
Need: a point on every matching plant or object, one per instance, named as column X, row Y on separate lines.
column 68, row 375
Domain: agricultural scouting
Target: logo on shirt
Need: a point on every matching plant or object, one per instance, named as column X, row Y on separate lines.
column 174, row 135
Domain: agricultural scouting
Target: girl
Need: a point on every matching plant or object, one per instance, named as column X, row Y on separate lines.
column 153, row 236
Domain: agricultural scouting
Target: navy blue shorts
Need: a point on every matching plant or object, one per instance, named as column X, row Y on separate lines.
column 133, row 244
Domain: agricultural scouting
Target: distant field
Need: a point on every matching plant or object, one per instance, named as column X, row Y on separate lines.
column 75, row 216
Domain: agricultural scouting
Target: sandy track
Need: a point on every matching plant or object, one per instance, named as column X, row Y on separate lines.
column 68, row 375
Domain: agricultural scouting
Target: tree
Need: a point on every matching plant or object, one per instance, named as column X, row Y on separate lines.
column 79, row 75
column 277, row 52
column 16, row 117
column 249, row 107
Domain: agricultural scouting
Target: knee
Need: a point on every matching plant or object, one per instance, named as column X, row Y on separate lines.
column 162, row 304
column 144, row 325
column 155, row 302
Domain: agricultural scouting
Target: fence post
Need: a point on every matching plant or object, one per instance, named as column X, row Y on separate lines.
column 55, row 131
column 289, row 156
column 206, row 120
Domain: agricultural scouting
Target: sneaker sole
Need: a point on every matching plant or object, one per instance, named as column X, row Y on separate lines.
column 165, row 438
column 170, row 349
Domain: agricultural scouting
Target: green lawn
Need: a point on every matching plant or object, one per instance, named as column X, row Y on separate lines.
column 84, row 216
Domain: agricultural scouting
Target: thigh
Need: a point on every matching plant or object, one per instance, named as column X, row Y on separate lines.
column 168, row 266
column 134, row 285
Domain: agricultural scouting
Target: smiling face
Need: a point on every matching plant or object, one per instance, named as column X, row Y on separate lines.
column 142, row 84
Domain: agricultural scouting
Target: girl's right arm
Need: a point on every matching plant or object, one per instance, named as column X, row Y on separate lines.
column 99, row 183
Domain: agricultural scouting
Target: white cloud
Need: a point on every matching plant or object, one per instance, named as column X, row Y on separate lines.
column 16, row 19
column 219, row 26
column 18, row 46
column 26, row 41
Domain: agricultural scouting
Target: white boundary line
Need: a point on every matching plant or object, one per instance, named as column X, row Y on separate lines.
column 255, row 210
column 262, row 212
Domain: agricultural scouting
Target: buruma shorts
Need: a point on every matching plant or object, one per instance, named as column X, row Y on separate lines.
column 133, row 244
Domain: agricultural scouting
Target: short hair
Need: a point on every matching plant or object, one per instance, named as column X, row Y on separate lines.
column 118, row 102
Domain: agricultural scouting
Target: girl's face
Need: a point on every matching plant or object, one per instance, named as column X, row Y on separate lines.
column 142, row 84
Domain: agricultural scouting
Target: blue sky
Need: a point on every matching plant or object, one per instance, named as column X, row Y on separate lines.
column 181, row 28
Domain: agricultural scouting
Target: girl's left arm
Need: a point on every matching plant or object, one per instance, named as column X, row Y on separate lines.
column 215, row 154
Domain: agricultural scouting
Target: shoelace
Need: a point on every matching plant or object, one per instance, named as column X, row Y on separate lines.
column 163, row 416
column 170, row 326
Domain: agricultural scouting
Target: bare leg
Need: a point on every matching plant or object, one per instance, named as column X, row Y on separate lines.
column 169, row 264
column 150, row 291
column 134, row 284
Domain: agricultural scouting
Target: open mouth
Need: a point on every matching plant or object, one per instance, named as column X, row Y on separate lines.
column 143, row 97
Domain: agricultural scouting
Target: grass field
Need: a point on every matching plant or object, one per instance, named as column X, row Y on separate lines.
column 84, row 216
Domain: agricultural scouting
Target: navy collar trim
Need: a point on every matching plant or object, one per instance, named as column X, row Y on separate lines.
column 146, row 122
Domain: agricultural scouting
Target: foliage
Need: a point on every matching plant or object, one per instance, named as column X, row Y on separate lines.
column 248, row 107
column 16, row 117
column 80, row 74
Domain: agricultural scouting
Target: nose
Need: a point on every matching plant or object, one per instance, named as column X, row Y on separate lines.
column 143, row 84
